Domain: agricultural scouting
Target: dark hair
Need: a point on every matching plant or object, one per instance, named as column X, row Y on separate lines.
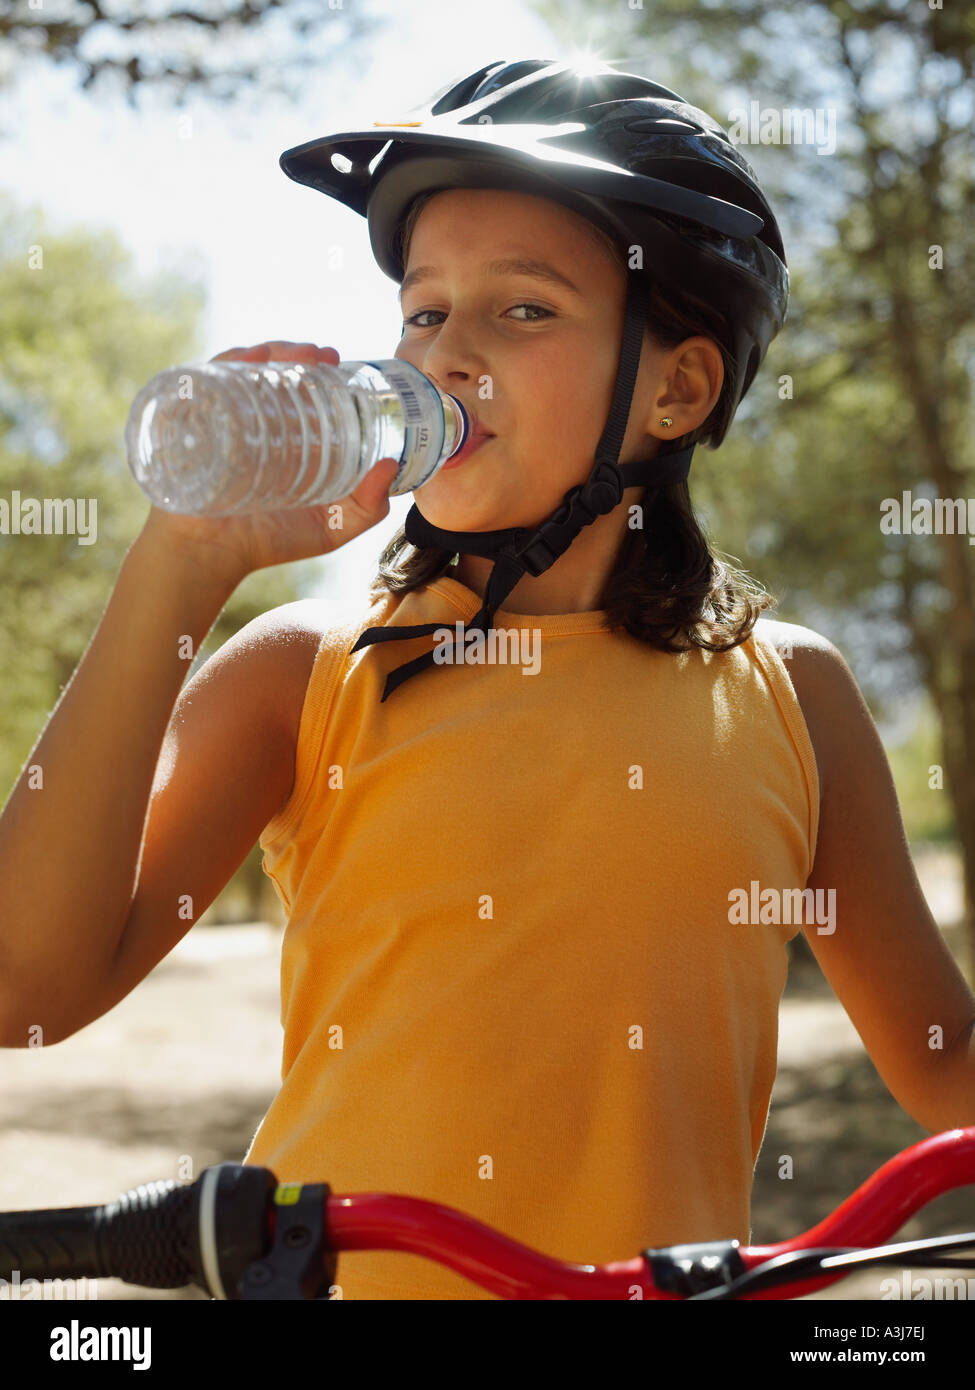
column 670, row 588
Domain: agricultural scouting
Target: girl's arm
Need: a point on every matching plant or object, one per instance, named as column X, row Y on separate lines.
column 886, row 960
column 226, row 768
column 89, row 903
column 112, row 851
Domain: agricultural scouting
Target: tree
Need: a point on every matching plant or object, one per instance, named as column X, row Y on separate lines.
column 867, row 393
column 61, row 32
column 78, row 337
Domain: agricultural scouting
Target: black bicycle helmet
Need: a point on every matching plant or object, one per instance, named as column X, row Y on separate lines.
column 635, row 159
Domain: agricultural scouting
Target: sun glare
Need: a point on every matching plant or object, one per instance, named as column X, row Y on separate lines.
column 587, row 63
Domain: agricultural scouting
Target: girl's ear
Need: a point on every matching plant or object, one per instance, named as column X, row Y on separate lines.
column 691, row 378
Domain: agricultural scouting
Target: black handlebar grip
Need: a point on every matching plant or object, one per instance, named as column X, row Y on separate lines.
column 50, row 1244
column 165, row 1235
column 162, row 1235
column 146, row 1237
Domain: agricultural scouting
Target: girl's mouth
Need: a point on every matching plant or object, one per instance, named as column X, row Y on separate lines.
column 471, row 447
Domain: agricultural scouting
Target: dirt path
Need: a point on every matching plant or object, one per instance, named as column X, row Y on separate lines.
column 179, row 1075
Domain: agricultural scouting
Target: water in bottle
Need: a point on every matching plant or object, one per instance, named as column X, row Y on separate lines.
column 220, row 438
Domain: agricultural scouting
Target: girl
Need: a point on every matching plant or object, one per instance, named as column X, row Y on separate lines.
column 537, row 911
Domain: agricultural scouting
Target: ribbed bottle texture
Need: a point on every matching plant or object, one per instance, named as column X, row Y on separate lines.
column 221, row 438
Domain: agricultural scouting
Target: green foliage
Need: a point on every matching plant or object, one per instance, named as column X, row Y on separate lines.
column 80, row 335
column 925, row 806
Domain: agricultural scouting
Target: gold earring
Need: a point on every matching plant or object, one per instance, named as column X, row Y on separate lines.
column 666, row 420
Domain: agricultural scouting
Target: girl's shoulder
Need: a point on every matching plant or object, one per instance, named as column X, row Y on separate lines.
column 786, row 634
column 289, row 638
column 828, row 694
column 816, row 666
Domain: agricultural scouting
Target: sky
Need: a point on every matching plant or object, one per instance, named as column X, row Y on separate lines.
column 200, row 186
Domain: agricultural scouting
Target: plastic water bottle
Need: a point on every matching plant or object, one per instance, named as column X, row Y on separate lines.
column 220, row 438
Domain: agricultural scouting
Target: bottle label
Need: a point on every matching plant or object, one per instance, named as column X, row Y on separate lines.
column 422, row 445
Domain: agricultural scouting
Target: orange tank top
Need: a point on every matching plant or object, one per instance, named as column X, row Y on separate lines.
column 512, row 978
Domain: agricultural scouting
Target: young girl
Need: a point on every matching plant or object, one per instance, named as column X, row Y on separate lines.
column 538, row 901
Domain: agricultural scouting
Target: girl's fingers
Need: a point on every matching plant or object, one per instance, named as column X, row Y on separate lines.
column 279, row 351
column 373, row 492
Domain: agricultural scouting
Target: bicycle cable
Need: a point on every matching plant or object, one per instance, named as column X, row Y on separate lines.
column 784, row 1268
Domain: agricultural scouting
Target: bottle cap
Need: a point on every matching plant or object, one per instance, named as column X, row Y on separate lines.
column 465, row 422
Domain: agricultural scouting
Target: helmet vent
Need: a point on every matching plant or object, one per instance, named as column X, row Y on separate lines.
column 648, row 124
column 458, row 94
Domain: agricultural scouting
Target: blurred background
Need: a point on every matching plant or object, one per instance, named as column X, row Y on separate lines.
column 145, row 222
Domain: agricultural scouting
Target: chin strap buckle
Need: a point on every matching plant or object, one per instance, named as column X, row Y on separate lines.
column 603, row 491
column 597, row 496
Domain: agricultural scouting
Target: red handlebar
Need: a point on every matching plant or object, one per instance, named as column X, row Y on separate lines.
column 877, row 1209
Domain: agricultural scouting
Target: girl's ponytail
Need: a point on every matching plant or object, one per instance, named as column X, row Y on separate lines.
column 672, row 590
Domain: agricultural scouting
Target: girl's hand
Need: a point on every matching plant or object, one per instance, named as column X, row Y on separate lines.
column 231, row 547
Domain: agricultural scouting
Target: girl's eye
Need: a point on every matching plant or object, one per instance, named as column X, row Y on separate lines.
column 538, row 308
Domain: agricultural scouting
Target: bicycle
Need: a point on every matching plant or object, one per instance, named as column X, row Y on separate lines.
column 237, row 1233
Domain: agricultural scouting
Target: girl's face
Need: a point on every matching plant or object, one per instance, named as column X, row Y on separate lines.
column 534, row 360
